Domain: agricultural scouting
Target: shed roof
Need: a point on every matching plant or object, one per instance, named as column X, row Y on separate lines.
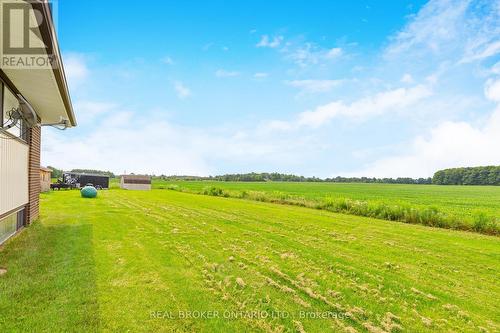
column 136, row 177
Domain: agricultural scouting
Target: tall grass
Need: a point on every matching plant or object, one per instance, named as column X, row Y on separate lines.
column 429, row 216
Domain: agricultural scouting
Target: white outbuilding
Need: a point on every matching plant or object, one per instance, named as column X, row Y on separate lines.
column 135, row 182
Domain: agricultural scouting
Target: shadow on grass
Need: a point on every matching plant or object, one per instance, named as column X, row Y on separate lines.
column 50, row 280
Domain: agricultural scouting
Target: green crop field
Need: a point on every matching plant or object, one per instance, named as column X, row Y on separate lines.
column 462, row 204
column 166, row 261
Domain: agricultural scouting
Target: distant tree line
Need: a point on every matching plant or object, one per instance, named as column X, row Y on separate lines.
column 483, row 175
column 57, row 173
column 399, row 180
column 95, row 172
column 280, row 177
column 260, row 177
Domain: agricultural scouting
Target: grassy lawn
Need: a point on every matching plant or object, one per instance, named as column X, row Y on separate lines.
column 140, row 261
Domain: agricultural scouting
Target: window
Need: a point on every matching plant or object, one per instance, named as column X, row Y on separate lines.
column 8, row 102
column 10, row 224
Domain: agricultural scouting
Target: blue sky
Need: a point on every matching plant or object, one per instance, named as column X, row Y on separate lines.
column 321, row 88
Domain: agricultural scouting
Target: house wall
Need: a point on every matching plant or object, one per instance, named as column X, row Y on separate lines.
column 47, row 92
column 144, row 187
column 34, row 140
column 14, row 187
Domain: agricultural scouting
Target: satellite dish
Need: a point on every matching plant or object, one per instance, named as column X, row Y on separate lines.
column 14, row 117
column 24, row 113
column 27, row 112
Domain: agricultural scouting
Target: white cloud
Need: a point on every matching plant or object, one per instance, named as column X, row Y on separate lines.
column 495, row 69
column 260, row 75
column 334, row 52
column 450, row 144
column 89, row 110
column 280, row 125
column 387, row 101
column 153, row 147
column 456, row 30
column 168, row 60
column 304, row 55
column 224, row 73
column 75, row 68
column 266, row 41
column 181, row 90
column 487, row 51
column 125, row 141
column 435, row 26
column 314, row 86
column 407, row 78
column 448, row 35
column 396, row 100
column 492, row 90
column 311, row 54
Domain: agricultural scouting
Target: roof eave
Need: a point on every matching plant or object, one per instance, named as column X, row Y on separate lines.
column 50, row 38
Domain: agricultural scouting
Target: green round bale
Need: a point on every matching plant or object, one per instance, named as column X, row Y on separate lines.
column 88, row 192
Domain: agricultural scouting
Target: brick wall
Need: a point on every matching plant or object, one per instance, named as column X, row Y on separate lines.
column 34, row 140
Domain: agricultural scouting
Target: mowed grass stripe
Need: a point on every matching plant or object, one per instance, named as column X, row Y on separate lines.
column 170, row 251
column 155, row 271
column 471, row 208
column 438, row 240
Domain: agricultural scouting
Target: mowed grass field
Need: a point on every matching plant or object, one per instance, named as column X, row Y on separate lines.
column 156, row 261
column 462, row 203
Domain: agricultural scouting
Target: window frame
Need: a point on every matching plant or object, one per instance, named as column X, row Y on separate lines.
column 24, row 131
column 19, row 215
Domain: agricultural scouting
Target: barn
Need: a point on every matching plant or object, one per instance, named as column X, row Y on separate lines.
column 135, row 182
column 31, row 95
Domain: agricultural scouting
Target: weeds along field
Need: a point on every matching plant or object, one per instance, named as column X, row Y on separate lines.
column 473, row 208
column 166, row 261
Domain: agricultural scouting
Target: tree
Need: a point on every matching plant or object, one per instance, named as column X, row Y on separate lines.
column 56, row 173
column 95, row 172
column 482, row 175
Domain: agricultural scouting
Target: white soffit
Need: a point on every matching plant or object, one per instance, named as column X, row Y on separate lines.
column 38, row 85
